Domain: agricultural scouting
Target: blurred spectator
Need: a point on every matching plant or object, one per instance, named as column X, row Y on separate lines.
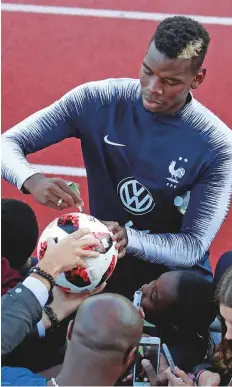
column 10, row 277
column 22, row 306
column 217, row 368
column 102, row 343
column 181, row 305
column 19, row 232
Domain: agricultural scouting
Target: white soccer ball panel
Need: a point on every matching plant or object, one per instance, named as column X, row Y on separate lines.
column 69, row 287
column 53, row 232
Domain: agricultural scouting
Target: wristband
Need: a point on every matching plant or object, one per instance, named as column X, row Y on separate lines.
column 42, row 273
column 52, row 316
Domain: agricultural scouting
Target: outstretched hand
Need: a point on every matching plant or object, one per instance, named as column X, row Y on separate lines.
column 178, row 378
column 119, row 235
column 208, row 378
column 64, row 303
column 69, row 252
column 155, row 379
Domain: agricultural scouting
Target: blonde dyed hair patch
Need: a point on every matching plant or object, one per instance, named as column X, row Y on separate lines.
column 191, row 50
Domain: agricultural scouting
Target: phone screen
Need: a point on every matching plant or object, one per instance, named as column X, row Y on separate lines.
column 145, row 351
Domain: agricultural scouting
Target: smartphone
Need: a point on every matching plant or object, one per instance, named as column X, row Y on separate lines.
column 168, row 356
column 149, row 348
column 137, row 299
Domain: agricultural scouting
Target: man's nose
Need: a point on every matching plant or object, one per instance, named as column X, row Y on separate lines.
column 155, row 86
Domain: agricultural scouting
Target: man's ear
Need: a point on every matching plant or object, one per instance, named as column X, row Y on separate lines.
column 70, row 329
column 199, row 78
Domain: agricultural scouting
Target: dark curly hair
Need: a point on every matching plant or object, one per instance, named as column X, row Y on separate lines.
column 182, row 38
column 19, row 231
column 191, row 286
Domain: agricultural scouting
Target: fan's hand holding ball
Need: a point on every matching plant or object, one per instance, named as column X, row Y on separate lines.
column 69, row 252
column 64, row 304
column 94, row 251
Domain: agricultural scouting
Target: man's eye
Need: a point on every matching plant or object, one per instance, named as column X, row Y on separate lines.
column 170, row 83
column 147, row 72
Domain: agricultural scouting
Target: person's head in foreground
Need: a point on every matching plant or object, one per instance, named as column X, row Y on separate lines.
column 173, row 64
column 102, row 341
column 182, row 298
column 19, row 231
column 224, row 300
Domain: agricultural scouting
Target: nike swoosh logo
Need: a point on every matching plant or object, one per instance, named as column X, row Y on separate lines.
column 112, row 143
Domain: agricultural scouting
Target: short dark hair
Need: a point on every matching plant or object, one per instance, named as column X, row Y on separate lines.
column 194, row 306
column 181, row 37
column 19, row 231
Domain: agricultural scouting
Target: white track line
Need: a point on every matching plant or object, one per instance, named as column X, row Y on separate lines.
column 60, row 170
column 108, row 13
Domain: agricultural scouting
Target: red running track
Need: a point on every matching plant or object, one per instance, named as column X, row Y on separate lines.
column 44, row 56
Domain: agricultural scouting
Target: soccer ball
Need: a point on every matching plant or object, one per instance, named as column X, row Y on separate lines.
column 99, row 269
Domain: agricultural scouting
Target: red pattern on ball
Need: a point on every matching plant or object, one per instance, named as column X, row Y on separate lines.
column 111, row 267
column 77, row 272
column 68, row 219
column 43, row 248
